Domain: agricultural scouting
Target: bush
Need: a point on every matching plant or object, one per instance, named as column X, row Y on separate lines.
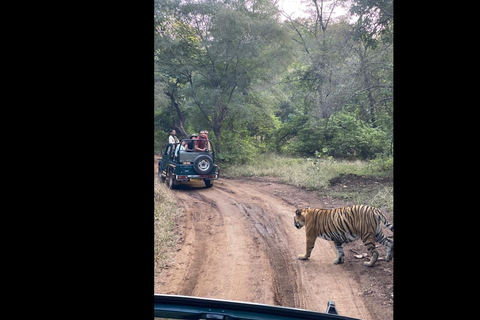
column 308, row 141
column 238, row 147
column 382, row 164
column 348, row 136
column 343, row 135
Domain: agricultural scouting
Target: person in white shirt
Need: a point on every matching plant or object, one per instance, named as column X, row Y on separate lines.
column 172, row 138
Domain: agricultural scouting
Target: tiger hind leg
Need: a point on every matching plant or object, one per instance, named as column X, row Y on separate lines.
column 370, row 244
column 388, row 244
column 340, row 255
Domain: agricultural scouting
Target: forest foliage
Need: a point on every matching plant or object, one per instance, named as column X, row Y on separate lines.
column 262, row 81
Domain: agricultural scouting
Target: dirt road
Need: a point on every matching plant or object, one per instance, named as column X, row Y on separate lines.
column 239, row 243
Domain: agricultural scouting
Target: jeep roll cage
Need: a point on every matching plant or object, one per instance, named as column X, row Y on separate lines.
column 171, row 148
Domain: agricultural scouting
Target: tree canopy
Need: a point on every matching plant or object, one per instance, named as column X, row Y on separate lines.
column 260, row 80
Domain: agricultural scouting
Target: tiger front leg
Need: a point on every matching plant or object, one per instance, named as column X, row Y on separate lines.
column 310, row 244
column 340, row 255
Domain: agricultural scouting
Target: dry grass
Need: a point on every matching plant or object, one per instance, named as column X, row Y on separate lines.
column 306, row 173
column 165, row 214
column 315, row 174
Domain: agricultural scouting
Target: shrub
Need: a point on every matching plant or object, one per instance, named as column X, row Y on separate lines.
column 348, row 135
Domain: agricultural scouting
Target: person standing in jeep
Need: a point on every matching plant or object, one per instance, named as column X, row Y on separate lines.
column 172, row 138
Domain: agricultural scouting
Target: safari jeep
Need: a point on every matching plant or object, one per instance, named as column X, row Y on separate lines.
column 188, row 165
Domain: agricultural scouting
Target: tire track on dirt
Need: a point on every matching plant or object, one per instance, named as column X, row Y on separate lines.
column 191, row 263
column 279, row 258
column 284, row 291
column 218, row 257
column 240, row 244
column 310, row 284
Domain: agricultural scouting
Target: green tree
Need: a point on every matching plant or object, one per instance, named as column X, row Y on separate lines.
column 176, row 51
column 325, row 47
column 228, row 47
column 375, row 21
column 339, row 76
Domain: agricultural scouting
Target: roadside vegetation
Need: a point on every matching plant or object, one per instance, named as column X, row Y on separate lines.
column 165, row 214
column 358, row 181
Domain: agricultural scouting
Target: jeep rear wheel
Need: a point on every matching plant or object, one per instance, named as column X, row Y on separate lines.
column 171, row 180
column 208, row 183
column 160, row 171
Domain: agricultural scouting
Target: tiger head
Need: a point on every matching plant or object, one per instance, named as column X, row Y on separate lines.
column 299, row 218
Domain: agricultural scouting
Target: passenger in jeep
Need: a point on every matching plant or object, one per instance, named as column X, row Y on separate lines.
column 201, row 144
column 191, row 144
column 181, row 146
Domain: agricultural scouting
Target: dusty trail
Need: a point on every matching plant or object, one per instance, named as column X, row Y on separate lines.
column 240, row 244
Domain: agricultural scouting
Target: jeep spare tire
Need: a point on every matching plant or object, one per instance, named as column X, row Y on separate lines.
column 203, row 164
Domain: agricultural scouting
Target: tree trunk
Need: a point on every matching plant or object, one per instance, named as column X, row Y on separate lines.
column 179, row 122
column 217, row 129
column 372, row 108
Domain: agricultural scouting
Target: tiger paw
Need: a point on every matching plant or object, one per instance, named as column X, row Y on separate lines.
column 302, row 257
column 373, row 259
column 368, row 264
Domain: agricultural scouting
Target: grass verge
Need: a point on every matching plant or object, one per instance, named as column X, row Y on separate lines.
column 373, row 184
column 165, row 214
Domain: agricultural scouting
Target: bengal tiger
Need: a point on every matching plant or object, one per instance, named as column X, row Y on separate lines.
column 344, row 225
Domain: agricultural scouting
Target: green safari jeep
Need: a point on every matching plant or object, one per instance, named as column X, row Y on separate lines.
column 178, row 166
